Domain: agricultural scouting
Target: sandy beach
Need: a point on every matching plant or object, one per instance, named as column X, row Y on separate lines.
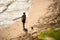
column 37, row 10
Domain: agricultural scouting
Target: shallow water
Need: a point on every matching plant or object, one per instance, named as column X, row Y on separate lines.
column 14, row 10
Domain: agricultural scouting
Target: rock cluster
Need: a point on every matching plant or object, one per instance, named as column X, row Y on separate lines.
column 52, row 16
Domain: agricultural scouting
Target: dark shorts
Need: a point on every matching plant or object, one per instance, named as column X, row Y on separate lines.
column 23, row 21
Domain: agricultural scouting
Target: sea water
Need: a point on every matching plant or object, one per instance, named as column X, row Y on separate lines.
column 14, row 10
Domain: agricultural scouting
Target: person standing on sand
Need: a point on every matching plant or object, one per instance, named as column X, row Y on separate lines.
column 24, row 19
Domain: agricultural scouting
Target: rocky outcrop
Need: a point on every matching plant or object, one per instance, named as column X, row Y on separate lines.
column 52, row 17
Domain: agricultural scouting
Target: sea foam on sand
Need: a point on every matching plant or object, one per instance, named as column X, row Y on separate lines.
column 13, row 11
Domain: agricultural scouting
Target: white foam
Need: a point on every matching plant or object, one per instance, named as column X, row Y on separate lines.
column 15, row 10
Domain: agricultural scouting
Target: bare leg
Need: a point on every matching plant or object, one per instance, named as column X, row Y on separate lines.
column 23, row 25
column 24, row 28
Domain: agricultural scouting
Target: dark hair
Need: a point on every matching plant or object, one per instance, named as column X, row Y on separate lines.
column 23, row 12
